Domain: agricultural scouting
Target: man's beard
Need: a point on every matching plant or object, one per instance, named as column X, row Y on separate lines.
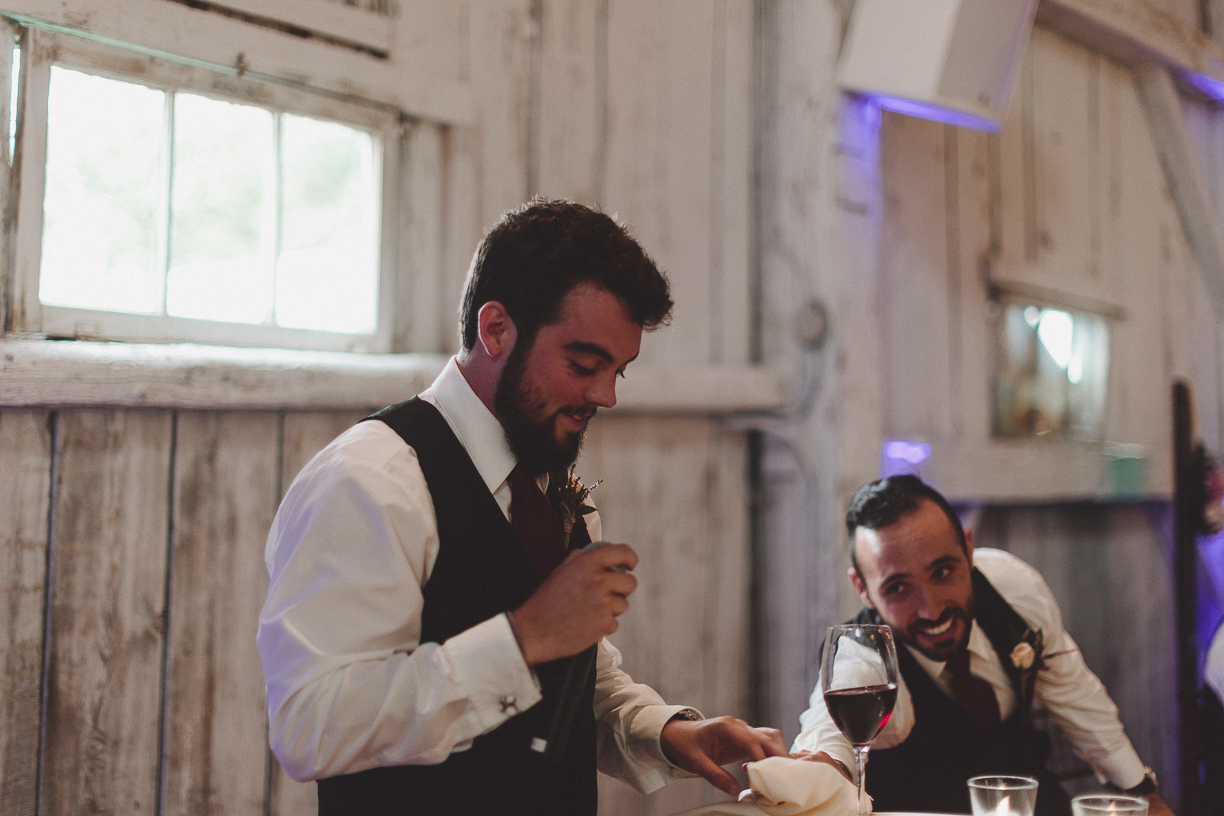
column 947, row 650
column 530, row 432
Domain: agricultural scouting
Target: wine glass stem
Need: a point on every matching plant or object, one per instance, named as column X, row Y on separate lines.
column 860, row 764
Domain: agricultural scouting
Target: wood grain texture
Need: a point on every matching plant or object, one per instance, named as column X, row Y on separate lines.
column 673, row 490
column 25, row 494
column 569, row 144
column 914, row 261
column 107, row 617
column 421, row 324
column 504, row 34
column 225, row 493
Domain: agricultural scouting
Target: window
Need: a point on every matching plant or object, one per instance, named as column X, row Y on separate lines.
column 161, row 201
column 1051, row 368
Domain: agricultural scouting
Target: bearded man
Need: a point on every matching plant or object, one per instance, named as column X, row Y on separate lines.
column 424, row 609
column 979, row 636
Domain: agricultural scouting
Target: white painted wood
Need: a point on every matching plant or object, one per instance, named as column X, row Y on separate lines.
column 1199, row 219
column 227, row 44
column 107, row 616
column 343, row 22
column 421, row 324
column 226, row 489
column 1138, row 31
column 672, row 489
column 634, row 190
column 179, row 375
column 463, row 227
column 504, row 35
column 25, row 456
column 914, row 274
column 733, row 296
column 819, row 214
column 571, row 109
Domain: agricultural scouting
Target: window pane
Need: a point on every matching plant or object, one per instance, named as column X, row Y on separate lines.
column 1050, row 372
column 103, row 184
column 222, row 212
column 327, row 272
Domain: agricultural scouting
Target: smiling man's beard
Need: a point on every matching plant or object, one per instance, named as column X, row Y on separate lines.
column 530, row 432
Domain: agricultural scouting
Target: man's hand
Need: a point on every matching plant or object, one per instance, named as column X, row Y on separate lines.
column 702, row 746
column 578, row 604
column 821, row 756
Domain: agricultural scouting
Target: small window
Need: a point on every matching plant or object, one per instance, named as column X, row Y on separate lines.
column 1051, row 368
column 181, row 204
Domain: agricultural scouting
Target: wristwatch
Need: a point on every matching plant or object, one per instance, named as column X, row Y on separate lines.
column 686, row 714
column 1145, row 788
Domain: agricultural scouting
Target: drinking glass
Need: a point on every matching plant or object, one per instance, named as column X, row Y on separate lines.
column 1003, row 795
column 1099, row 804
column 858, row 675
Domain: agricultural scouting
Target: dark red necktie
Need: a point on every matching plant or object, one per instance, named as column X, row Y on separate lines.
column 536, row 524
column 972, row 693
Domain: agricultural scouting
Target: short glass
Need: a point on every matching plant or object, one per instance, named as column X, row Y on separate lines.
column 1003, row 795
column 1097, row 804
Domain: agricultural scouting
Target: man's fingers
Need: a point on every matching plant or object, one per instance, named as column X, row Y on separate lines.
column 716, row 776
column 611, row 556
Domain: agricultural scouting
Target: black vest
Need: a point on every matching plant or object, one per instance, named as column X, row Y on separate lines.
column 929, row 771
column 480, row 572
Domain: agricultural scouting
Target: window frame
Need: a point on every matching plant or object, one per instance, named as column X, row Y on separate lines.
column 25, row 188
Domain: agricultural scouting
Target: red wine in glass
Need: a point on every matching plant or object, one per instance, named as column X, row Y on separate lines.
column 861, row 713
column 858, row 675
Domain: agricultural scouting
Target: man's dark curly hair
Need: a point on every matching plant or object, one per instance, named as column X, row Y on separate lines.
column 534, row 255
column 884, row 502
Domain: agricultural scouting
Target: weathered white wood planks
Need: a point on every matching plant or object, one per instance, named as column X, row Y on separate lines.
column 25, row 495
column 107, row 616
column 225, row 492
column 673, row 490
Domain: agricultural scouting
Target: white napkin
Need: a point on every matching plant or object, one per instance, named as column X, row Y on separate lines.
column 781, row 786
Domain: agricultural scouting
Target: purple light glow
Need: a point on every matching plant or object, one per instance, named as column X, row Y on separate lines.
column 901, row 457
column 1207, row 84
column 924, row 110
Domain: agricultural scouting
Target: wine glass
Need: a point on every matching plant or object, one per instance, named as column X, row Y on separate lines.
column 858, row 675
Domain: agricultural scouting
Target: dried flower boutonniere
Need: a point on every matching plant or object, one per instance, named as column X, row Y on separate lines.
column 568, row 496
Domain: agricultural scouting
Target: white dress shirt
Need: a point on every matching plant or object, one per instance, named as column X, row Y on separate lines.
column 349, row 684
column 1074, row 697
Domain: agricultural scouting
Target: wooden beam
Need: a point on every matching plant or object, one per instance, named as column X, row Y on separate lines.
column 1190, row 195
column 1135, row 32
column 42, row 373
column 200, row 36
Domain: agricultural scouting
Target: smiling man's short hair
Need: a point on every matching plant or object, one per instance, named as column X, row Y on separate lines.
column 884, row 502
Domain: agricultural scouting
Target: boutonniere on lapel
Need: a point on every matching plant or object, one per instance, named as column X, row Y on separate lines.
column 1028, row 658
column 568, row 496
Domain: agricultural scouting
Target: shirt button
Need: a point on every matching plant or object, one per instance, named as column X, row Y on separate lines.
column 509, row 704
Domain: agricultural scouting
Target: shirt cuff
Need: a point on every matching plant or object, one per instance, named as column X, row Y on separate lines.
column 490, row 672
column 1123, row 769
column 648, row 728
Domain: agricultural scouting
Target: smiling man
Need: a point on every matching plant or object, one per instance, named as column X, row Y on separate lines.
column 428, row 612
column 979, row 636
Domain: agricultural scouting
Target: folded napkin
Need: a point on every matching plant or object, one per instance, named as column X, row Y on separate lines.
column 781, row 786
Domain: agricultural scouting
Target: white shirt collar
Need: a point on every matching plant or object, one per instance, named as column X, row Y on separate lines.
column 473, row 423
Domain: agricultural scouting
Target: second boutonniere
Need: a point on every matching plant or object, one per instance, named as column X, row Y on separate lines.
column 1027, row 658
column 568, row 496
